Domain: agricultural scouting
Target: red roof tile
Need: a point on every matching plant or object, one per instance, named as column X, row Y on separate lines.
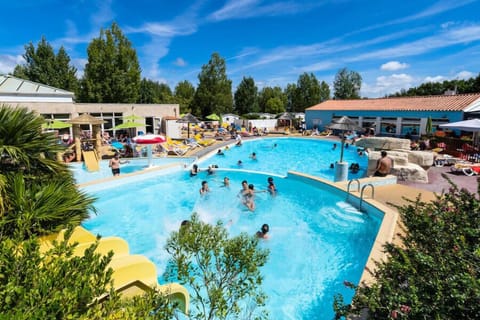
column 427, row 103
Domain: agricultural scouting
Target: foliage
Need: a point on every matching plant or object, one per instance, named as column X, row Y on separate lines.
column 38, row 193
column 307, row 93
column 55, row 284
column 290, row 94
column 223, row 273
column 347, row 84
column 112, row 73
column 43, row 66
column 154, row 92
column 435, row 273
column 246, row 96
column 274, row 105
column 214, row 91
column 184, row 93
column 471, row 85
column 268, row 93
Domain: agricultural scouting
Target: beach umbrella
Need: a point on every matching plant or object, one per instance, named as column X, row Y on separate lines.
column 472, row 125
column 55, row 124
column 129, row 125
column 188, row 118
column 149, row 140
column 132, row 118
column 213, row 117
column 343, row 124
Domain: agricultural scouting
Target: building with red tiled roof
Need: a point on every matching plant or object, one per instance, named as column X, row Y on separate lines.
column 396, row 116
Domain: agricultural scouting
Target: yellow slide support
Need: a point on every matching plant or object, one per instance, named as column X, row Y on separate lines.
column 91, row 160
column 132, row 274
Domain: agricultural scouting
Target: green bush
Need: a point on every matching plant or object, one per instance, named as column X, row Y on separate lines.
column 434, row 274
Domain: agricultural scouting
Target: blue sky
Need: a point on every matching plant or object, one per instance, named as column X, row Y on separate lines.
column 392, row 44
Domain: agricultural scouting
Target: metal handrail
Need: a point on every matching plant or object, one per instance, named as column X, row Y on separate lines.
column 349, row 183
column 363, row 189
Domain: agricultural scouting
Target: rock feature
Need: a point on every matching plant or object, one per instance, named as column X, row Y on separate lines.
column 407, row 164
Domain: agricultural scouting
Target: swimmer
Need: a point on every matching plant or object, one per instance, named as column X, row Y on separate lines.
column 253, row 156
column 210, row 170
column 194, row 170
column 226, row 182
column 263, row 232
column 248, row 198
column 204, row 189
column 239, row 163
column 220, row 152
column 272, row 189
column 332, row 166
column 334, row 146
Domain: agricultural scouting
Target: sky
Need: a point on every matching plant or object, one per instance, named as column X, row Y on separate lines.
column 391, row 44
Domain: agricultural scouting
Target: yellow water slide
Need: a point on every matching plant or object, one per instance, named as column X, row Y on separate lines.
column 91, row 160
column 132, row 274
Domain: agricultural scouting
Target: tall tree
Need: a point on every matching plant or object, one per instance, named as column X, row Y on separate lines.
column 307, row 93
column 246, row 96
column 184, row 93
column 347, row 84
column 154, row 92
column 267, row 93
column 324, row 91
column 112, row 73
column 214, row 91
column 290, row 92
column 43, row 66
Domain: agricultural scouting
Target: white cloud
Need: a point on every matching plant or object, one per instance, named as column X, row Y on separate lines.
column 387, row 84
column 242, row 9
column 393, row 66
column 464, row 75
column 434, row 79
column 8, row 63
column 180, row 62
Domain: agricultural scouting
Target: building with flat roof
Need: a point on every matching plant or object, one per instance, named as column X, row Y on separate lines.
column 54, row 103
column 396, row 116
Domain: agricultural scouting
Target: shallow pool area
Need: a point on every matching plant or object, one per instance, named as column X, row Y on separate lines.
column 317, row 239
column 133, row 165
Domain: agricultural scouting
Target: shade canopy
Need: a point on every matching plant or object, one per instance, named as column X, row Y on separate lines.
column 55, row 124
column 129, row 125
column 344, row 124
column 213, row 117
column 472, row 125
column 188, row 118
column 132, row 118
column 286, row 116
column 86, row 119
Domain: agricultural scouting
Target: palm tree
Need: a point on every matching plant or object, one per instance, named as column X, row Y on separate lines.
column 37, row 193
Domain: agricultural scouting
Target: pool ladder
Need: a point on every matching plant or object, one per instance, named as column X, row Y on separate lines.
column 358, row 190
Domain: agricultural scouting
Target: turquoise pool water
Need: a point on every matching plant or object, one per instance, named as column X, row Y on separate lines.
column 280, row 155
column 317, row 240
column 82, row 175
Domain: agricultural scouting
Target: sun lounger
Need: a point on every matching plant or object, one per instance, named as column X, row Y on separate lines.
column 204, row 142
column 174, row 149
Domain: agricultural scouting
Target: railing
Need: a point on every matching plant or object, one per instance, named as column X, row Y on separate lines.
column 361, row 193
column 348, row 186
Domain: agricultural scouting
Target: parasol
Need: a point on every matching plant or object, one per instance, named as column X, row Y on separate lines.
column 149, row 140
column 188, row 118
column 55, row 124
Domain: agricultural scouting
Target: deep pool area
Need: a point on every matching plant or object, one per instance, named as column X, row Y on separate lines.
column 317, row 239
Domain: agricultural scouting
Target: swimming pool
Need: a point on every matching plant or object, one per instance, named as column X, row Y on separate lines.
column 136, row 164
column 317, row 240
column 280, row 155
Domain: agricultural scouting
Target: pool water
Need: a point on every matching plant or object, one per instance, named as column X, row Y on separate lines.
column 137, row 164
column 317, row 240
column 280, row 155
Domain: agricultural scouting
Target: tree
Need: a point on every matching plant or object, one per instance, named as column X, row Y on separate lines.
column 434, row 273
column 307, row 92
column 324, row 91
column 267, row 93
column 184, row 93
column 38, row 193
column 290, row 93
column 43, row 66
column 246, row 97
column 154, row 92
column 274, row 105
column 347, row 84
column 214, row 91
column 112, row 73
column 223, row 273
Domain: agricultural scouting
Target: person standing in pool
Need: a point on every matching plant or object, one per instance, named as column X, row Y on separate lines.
column 204, row 189
column 194, row 170
column 114, row 163
column 272, row 189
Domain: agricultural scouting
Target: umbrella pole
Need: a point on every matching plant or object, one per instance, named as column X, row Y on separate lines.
column 188, row 130
column 150, row 155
